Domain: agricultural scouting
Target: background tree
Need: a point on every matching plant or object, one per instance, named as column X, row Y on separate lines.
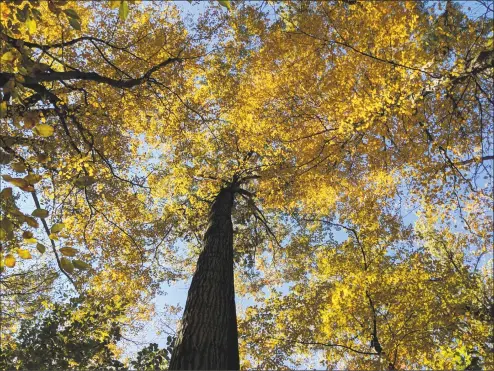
column 68, row 336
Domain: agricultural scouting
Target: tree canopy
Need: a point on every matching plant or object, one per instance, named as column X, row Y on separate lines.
column 355, row 137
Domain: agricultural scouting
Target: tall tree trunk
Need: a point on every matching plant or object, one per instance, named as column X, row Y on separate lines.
column 208, row 338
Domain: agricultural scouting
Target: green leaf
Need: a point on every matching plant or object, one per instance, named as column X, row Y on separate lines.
column 74, row 23
column 79, row 264
column 55, row 228
column 226, row 4
column 123, row 11
column 67, row 265
column 40, row 213
column 68, row 251
column 71, row 13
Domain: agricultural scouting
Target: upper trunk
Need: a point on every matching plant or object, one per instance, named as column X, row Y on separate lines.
column 208, row 338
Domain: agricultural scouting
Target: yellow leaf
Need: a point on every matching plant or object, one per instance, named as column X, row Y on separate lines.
column 31, row 25
column 3, row 109
column 10, row 261
column 123, row 11
column 44, row 130
column 24, row 254
column 57, row 227
column 226, row 4
column 8, row 57
column 68, row 251
column 114, row 4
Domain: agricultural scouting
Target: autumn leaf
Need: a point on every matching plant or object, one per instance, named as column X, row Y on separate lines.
column 79, row 264
column 31, row 25
column 114, row 4
column 85, row 181
column 18, row 182
column 6, row 193
column 68, row 251
column 24, row 254
column 56, row 228
column 30, row 119
column 41, row 248
column 67, row 265
column 3, row 109
column 8, row 57
column 27, row 234
column 31, row 221
column 123, row 11
column 10, row 261
column 75, row 24
column 33, row 178
column 71, row 13
column 18, row 167
column 225, row 3
column 40, row 213
column 44, row 130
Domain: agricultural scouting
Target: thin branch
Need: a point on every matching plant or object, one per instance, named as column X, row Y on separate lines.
column 53, row 247
column 325, row 345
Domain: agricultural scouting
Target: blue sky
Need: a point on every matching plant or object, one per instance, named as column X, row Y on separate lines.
column 176, row 294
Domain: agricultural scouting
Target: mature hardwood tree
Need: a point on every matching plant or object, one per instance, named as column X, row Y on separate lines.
column 336, row 112
column 208, row 337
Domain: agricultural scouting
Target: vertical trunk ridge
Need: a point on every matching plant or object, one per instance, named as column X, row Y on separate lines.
column 208, row 339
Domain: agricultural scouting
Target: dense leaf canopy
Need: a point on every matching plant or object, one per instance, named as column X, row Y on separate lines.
column 361, row 133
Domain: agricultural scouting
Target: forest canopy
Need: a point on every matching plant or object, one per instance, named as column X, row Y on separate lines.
column 329, row 163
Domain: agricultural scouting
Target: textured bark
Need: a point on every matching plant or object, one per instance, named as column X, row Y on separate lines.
column 208, row 338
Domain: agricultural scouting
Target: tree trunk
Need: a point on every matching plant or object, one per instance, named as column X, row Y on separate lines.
column 208, row 339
